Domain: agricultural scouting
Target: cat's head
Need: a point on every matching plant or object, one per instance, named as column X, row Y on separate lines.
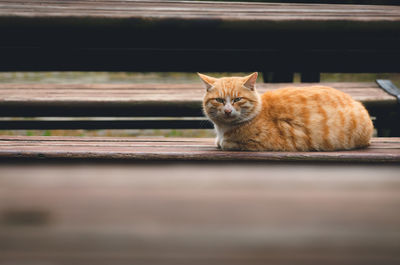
column 231, row 100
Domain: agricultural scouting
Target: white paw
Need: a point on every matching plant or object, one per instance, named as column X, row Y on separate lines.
column 218, row 143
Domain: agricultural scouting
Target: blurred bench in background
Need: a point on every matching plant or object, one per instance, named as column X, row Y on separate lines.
column 150, row 106
column 193, row 36
column 200, row 214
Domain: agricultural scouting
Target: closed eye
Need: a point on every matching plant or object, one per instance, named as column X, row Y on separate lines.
column 237, row 99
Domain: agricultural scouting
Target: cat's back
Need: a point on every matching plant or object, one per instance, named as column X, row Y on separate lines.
column 319, row 95
column 306, row 100
column 319, row 117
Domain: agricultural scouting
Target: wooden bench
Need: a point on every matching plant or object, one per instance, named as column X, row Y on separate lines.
column 180, row 103
column 175, row 36
column 143, row 102
column 211, row 206
column 147, row 100
column 46, row 148
column 199, row 214
column 276, row 39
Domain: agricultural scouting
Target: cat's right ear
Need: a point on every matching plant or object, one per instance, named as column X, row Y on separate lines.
column 208, row 81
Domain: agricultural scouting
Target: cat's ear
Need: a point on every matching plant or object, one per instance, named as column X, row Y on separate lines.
column 250, row 81
column 208, row 81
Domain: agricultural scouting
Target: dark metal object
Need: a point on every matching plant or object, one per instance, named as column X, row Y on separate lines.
column 389, row 87
column 387, row 123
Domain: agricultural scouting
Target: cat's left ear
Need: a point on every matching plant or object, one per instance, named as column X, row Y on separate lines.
column 208, row 81
column 250, row 81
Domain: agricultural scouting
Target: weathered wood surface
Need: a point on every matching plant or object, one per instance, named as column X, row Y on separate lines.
column 200, row 214
column 170, row 36
column 191, row 9
column 144, row 99
column 180, row 149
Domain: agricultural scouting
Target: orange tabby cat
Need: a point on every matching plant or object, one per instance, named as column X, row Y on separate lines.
column 315, row 118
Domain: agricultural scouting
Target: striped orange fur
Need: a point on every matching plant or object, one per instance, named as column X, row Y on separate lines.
column 315, row 118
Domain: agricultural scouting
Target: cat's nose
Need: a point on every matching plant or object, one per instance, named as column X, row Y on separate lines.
column 228, row 111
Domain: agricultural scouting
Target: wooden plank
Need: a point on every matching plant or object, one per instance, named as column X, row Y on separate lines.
column 187, row 9
column 52, row 148
column 199, row 213
column 143, row 99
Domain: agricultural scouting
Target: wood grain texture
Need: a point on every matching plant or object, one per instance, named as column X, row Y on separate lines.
column 199, row 214
column 142, row 99
column 176, row 149
column 202, row 10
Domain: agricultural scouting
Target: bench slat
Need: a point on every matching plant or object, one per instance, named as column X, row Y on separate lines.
column 18, row 147
column 142, row 99
column 205, row 10
column 188, row 213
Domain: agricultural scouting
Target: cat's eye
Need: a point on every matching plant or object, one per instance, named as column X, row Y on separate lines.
column 237, row 99
column 220, row 100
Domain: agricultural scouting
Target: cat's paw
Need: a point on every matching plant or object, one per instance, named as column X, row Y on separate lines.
column 218, row 146
column 218, row 143
column 229, row 146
